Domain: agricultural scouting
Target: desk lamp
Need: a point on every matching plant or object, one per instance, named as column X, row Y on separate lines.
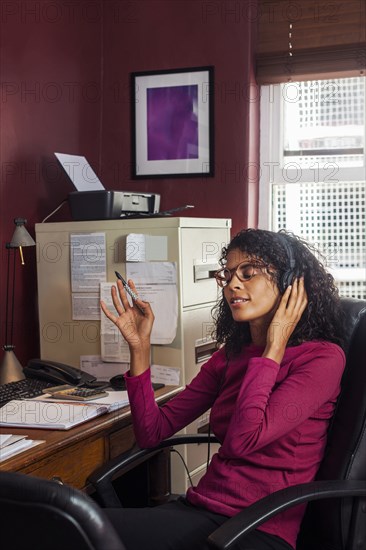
column 10, row 368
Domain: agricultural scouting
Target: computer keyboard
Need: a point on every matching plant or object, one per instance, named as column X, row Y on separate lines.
column 22, row 389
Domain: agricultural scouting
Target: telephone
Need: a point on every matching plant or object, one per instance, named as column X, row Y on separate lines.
column 58, row 373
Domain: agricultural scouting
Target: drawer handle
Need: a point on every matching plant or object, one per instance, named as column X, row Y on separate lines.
column 204, row 271
column 204, row 351
column 57, row 479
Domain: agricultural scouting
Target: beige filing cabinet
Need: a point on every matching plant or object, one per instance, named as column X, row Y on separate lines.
column 194, row 244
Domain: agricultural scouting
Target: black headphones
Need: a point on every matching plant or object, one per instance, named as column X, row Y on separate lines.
column 287, row 277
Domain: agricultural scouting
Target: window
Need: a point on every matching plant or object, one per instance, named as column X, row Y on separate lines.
column 313, row 170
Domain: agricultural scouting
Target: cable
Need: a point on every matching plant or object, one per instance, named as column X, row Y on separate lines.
column 208, row 447
column 184, row 464
column 54, row 211
column 7, row 299
column 12, row 302
column 209, row 430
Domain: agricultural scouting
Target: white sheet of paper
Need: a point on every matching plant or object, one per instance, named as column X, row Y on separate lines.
column 135, row 247
column 4, row 438
column 114, row 348
column 156, row 283
column 80, row 172
column 146, row 248
column 165, row 375
column 88, row 261
column 18, row 447
column 162, row 273
column 93, row 364
column 85, row 306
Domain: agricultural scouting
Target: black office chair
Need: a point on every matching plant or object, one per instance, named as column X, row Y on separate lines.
column 336, row 523
column 43, row 515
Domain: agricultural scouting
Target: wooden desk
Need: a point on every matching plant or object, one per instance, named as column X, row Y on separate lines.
column 72, row 455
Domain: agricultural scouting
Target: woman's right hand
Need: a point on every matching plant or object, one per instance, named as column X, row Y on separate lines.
column 134, row 325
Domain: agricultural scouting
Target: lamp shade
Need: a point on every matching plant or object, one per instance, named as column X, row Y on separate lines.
column 10, row 368
column 21, row 237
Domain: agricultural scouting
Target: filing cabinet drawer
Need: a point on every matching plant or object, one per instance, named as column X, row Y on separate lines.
column 198, row 342
column 201, row 249
column 198, row 348
column 197, row 454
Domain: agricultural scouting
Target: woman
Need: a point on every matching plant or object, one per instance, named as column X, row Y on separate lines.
column 271, row 387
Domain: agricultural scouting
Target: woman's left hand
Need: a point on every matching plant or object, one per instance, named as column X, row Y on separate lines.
column 288, row 314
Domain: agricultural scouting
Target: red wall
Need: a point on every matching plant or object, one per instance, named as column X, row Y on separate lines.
column 175, row 34
column 65, row 87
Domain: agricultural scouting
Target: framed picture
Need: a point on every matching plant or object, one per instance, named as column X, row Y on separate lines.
column 172, row 123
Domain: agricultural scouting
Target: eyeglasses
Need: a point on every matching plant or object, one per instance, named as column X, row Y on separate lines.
column 243, row 271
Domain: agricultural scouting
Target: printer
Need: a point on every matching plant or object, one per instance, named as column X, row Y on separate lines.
column 111, row 205
column 92, row 201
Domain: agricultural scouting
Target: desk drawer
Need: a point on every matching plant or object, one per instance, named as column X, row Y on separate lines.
column 72, row 465
column 121, row 441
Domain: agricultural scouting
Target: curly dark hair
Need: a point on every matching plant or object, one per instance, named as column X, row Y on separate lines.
column 322, row 318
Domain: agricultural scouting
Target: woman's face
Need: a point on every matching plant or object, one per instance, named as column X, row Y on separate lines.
column 254, row 300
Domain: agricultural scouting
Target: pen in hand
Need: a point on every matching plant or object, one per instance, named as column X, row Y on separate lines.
column 129, row 291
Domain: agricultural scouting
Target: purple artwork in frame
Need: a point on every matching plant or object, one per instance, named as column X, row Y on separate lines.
column 172, row 122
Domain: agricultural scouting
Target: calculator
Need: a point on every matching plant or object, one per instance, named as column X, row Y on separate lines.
column 79, row 394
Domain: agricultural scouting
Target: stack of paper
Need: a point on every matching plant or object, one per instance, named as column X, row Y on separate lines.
column 31, row 413
column 46, row 412
column 13, row 444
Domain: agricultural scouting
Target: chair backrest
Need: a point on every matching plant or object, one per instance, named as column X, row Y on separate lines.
column 36, row 513
column 337, row 524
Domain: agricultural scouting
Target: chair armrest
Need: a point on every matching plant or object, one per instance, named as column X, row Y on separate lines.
column 238, row 526
column 102, row 478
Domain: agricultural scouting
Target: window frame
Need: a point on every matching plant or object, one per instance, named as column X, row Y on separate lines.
column 275, row 169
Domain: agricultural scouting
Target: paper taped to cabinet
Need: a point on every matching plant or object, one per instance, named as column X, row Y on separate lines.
column 156, row 283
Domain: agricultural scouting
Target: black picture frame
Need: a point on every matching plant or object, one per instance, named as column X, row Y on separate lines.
column 173, row 123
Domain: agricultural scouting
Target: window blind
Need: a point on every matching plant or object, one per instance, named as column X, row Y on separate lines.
column 310, row 39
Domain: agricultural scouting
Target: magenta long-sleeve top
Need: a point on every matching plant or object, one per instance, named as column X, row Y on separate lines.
column 271, row 421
